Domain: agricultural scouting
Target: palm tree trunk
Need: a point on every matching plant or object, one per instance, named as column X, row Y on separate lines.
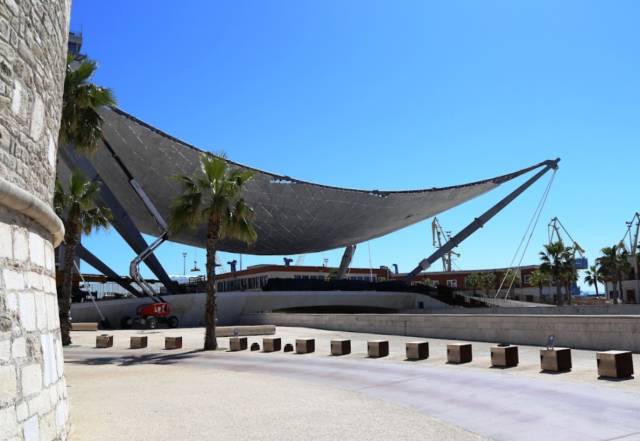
column 620, row 292
column 71, row 239
column 210, row 342
column 559, row 299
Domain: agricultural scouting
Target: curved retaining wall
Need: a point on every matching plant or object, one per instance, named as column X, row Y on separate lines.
column 232, row 305
column 597, row 332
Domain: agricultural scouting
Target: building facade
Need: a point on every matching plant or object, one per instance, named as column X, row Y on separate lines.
column 256, row 277
column 33, row 396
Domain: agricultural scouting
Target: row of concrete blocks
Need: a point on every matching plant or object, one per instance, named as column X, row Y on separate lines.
column 611, row 364
column 138, row 342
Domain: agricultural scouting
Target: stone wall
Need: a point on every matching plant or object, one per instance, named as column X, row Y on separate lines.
column 33, row 397
column 597, row 332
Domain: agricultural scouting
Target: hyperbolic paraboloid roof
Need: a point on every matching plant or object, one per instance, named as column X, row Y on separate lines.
column 291, row 216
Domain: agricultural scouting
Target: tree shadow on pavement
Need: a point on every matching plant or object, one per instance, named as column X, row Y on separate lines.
column 128, row 360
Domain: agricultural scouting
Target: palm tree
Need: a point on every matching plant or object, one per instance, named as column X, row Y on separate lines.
column 593, row 277
column 76, row 206
column 81, row 124
column 614, row 264
column 556, row 258
column 213, row 196
column 540, row 279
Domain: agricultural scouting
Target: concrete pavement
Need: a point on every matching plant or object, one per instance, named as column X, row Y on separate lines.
column 317, row 396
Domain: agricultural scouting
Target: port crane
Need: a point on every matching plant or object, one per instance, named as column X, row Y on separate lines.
column 440, row 237
column 556, row 233
column 633, row 237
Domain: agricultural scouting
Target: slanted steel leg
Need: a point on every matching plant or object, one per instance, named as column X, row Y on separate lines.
column 349, row 251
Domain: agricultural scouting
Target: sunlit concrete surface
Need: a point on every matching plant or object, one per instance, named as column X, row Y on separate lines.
column 120, row 393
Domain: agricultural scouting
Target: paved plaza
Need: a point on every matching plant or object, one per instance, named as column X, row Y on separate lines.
column 152, row 393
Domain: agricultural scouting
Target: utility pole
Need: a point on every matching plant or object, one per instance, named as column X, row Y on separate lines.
column 184, row 264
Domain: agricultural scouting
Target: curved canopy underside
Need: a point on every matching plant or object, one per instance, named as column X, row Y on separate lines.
column 292, row 216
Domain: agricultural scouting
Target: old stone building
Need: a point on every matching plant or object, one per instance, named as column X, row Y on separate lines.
column 33, row 397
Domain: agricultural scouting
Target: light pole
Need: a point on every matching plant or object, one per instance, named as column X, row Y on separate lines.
column 184, row 264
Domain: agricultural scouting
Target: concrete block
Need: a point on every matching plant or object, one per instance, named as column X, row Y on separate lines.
column 138, row 342
column 458, row 353
column 340, row 347
column 378, row 348
column 305, row 345
column 504, row 356
column 173, row 342
column 255, row 347
column 84, row 326
column 615, row 364
column 287, row 348
column 104, row 341
column 417, row 350
column 271, row 344
column 237, row 343
column 555, row 360
column 239, row 331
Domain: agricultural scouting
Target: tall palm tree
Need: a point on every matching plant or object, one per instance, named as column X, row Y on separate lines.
column 81, row 124
column 213, row 196
column 593, row 277
column 76, row 206
column 556, row 258
column 614, row 264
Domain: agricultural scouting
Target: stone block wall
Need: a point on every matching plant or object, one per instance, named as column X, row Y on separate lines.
column 596, row 332
column 33, row 397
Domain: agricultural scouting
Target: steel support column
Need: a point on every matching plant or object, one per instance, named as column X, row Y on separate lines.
column 94, row 261
column 121, row 220
column 349, row 251
column 480, row 221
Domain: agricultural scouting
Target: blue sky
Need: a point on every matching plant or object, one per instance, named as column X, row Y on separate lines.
column 392, row 95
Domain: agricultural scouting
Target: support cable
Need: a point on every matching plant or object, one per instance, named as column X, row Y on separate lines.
column 533, row 222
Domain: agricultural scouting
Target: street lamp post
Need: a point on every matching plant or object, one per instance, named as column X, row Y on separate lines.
column 184, row 264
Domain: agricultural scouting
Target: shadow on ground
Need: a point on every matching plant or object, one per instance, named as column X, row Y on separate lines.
column 128, row 360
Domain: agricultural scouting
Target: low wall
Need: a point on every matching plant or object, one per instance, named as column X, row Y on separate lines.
column 628, row 309
column 189, row 308
column 597, row 332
